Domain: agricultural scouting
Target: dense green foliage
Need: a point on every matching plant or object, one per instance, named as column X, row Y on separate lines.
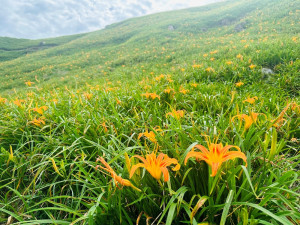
column 95, row 94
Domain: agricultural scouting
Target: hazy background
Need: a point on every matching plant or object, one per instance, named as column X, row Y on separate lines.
column 51, row 18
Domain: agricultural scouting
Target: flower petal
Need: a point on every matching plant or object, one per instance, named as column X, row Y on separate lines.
column 235, row 154
column 214, row 168
column 202, row 148
column 141, row 158
column 135, row 167
column 165, row 173
column 197, row 155
column 226, row 148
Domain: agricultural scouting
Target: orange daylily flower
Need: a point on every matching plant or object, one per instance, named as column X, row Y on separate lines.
column 294, row 39
column 278, row 122
column 214, row 52
column 116, row 178
column 104, row 127
column 294, row 140
column 158, row 78
column 38, row 122
column 194, row 84
column 40, row 110
column 251, row 100
column 170, row 80
column 215, row 155
column 18, row 102
column 156, row 165
column 108, row 89
column 168, row 90
column 252, row 66
column 2, row 100
column 209, row 69
column 183, row 91
column 176, row 114
column 196, row 66
column 295, row 107
column 29, row 83
column 238, row 84
column 239, row 56
column 151, row 95
column 118, row 101
column 150, row 135
column 249, row 120
column 87, row 95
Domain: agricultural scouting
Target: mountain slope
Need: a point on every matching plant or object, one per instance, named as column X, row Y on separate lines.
column 11, row 48
column 196, row 26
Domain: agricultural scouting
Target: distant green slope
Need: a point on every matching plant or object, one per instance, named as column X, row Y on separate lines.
column 12, row 48
column 147, row 40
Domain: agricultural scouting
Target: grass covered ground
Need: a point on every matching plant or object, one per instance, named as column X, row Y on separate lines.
column 77, row 118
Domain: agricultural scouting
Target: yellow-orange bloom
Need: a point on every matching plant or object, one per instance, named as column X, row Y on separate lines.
column 2, row 100
column 249, row 120
column 40, row 110
column 38, row 122
column 239, row 56
column 29, row 83
column 156, row 165
column 88, row 95
column 176, row 114
column 150, row 135
column 118, row 101
column 170, row 80
column 196, row 66
column 168, row 90
column 295, row 107
column 104, row 127
column 279, row 121
column 251, row 100
column 18, row 102
column 116, row 178
column 151, row 95
column 238, row 84
column 216, row 155
column 252, row 66
column 158, row 78
column 183, row 91
column 209, row 69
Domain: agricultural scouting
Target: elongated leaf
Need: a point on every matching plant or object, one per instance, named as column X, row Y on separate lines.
column 171, row 214
column 282, row 220
column 226, row 207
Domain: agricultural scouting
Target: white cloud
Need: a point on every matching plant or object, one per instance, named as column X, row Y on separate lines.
column 50, row 18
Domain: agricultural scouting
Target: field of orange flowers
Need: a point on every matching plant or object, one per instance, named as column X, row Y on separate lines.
column 204, row 138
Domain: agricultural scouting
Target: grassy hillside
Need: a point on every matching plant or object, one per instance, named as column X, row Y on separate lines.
column 212, row 91
column 134, row 41
column 12, row 48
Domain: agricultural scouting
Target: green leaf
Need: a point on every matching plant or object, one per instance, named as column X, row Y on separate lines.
column 226, row 207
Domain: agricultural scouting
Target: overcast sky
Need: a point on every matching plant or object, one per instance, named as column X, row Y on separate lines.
column 36, row 19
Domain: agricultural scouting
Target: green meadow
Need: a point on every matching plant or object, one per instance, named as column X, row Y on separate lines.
column 180, row 117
